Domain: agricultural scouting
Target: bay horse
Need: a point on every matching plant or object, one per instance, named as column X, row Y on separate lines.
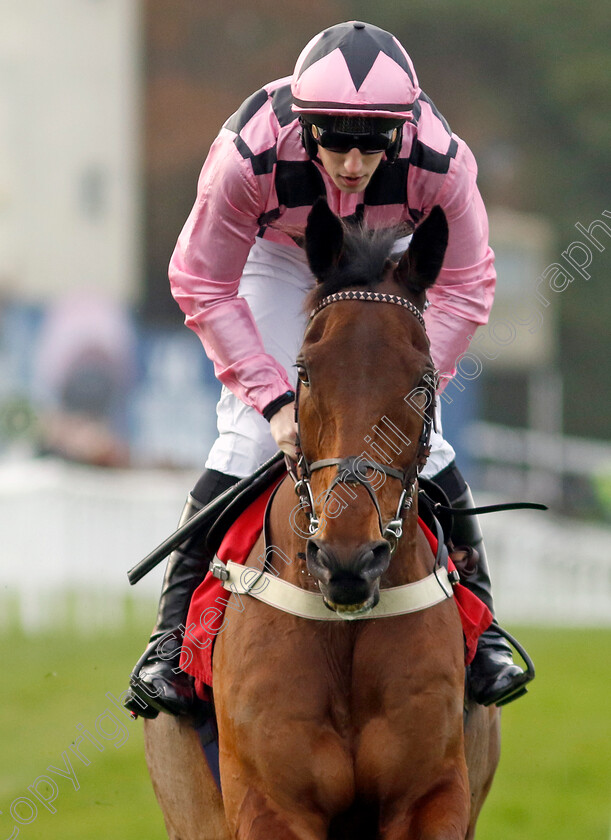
column 350, row 728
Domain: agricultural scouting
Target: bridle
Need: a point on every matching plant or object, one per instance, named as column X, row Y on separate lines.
column 355, row 469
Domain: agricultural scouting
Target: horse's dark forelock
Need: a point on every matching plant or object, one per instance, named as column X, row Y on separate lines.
column 363, row 261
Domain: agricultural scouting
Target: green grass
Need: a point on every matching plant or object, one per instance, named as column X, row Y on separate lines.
column 50, row 685
column 553, row 780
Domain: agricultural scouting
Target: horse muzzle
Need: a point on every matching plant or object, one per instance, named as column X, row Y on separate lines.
column 349, row 582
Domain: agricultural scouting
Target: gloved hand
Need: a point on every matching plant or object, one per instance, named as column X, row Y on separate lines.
column 284, row 430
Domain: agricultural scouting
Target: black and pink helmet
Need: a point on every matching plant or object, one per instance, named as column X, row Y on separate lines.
column 355, row 69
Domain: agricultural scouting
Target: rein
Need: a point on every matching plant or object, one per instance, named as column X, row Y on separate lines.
column 354, row 469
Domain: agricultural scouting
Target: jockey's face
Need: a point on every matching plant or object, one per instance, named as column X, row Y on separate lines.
column 350, row 171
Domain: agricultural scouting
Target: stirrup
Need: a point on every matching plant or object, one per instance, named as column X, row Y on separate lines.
column 529, row 674
column 138, row 707
column 510, row 697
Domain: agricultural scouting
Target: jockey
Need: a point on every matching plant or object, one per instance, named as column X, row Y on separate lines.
column 353, row 125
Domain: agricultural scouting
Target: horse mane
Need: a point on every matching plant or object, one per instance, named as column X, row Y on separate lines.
column 363, row 261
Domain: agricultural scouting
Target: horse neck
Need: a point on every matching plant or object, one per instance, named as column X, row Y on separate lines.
column 412, row 559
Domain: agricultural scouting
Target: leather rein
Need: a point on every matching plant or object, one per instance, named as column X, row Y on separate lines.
column 355, row 469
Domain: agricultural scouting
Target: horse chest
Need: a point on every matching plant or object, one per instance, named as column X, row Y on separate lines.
column 336, row 675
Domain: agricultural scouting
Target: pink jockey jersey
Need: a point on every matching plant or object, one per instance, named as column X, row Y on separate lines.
column 259, row 181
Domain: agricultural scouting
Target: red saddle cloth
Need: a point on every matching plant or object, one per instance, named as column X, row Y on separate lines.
column 206, row 615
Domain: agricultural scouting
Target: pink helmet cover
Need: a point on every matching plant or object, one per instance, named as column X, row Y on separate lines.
column 355, row 68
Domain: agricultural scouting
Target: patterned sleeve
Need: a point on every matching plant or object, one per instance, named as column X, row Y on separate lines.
column 463, row 294
column 205, row 272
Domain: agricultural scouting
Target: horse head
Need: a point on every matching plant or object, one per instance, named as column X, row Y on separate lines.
column 365, row 402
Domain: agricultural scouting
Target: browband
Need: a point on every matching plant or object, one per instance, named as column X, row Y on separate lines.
column 378, row 297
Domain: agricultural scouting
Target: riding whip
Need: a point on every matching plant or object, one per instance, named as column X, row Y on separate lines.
column 197, row 522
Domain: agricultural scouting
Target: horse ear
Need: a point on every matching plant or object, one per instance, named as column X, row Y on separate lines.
column 324, row 238
column 420, row 265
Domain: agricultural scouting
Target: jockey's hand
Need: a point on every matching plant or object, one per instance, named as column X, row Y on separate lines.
column 284, row 430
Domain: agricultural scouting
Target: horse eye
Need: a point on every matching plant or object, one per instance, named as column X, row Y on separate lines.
column 303, row 375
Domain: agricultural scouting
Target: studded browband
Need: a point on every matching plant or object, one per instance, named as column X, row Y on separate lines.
column 376, row 297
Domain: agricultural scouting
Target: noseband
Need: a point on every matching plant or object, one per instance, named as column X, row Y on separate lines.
column 355, row 469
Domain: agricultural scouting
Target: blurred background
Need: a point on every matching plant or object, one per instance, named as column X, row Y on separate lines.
column 107, row 111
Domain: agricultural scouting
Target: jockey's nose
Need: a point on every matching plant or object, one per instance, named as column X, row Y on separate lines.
column 353, row 161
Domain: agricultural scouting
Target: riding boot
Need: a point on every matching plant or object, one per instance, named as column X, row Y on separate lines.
column 493, row 675
column 157, row 684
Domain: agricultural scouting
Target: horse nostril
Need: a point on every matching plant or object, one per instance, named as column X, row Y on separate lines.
column 317, row 560
column 374, row 560
column 367, row 563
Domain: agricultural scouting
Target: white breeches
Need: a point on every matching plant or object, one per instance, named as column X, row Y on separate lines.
column 275, row 282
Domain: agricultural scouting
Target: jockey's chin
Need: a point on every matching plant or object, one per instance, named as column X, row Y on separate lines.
column 350, row 171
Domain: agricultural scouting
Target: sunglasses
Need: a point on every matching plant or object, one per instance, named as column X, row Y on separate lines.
column 342, row 142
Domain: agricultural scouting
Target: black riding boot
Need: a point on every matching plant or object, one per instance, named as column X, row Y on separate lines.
column 493, row 675
column 157, row 684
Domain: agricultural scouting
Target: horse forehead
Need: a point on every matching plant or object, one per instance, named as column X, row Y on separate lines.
column 368, row 334
column 357, row 320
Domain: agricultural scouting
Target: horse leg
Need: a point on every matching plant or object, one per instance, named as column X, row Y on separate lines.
column 482, row 751
column 261, row 818
column 256, row 810
column 440, row 814
column 184, row 786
